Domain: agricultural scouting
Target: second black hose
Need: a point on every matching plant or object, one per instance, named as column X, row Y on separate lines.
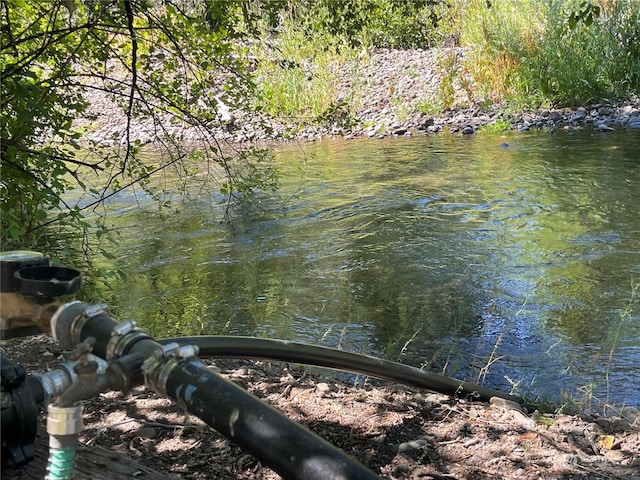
column 268, row 349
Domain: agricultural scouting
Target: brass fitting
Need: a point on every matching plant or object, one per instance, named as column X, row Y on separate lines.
column 25, row 315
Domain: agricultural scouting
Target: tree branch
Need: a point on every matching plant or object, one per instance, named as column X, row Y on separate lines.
column 93, row 166
column 134, row 77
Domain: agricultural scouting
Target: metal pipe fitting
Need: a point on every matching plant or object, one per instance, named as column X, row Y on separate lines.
column 56, row 381
column 22, row 315
column 63, row 421
column 73, row 322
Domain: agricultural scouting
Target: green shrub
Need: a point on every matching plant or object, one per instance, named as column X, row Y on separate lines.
column 373, row 23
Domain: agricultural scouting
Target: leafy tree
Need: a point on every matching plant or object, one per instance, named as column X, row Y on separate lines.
column 377, row 23
column 242, row 18
column 159, row 61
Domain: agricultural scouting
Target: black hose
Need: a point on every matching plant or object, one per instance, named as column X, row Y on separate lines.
column 261, row 348
column 278, row 442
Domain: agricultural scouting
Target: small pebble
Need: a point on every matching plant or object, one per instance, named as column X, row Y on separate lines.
column 242, row 372
column 323, row 388
column 471, row 442
column 504, row 403
column 412, row 445
column 632, row 414
column 520, row 473
column 400, row 469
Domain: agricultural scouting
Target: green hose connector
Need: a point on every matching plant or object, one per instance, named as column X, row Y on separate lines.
column 63, row 426
column 61, row 463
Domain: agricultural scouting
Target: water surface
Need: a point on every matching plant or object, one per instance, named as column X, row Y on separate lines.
column 507, row 260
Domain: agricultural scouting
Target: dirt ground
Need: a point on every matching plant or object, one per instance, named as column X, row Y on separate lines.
column 397, row 431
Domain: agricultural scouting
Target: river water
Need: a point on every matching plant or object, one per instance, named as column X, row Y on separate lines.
column 508, row 260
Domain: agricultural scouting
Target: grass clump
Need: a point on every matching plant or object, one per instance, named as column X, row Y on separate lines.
column 499, row 126
column 298, row 79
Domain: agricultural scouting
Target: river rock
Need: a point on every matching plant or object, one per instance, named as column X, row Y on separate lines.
column 147, row 432
column 578, row 116
column 603, row 127
column 631, row 414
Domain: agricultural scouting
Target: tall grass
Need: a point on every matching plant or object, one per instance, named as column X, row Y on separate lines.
column 298, row 77
column 496, row 38
column 528, row 52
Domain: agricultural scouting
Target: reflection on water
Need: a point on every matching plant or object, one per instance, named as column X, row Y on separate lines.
column 444, row 252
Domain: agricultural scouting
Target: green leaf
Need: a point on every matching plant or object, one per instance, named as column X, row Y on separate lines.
column 545, row 420
column 573, row 21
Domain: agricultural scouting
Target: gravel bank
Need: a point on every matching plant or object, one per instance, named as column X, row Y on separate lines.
column 393, row 89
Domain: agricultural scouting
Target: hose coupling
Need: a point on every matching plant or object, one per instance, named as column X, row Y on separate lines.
column 69, row 320
column 63, row 421
column 125, row 372
column 122, row 336
column 157, row 368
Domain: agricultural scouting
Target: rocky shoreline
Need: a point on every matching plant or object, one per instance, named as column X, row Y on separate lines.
column 393, row 90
